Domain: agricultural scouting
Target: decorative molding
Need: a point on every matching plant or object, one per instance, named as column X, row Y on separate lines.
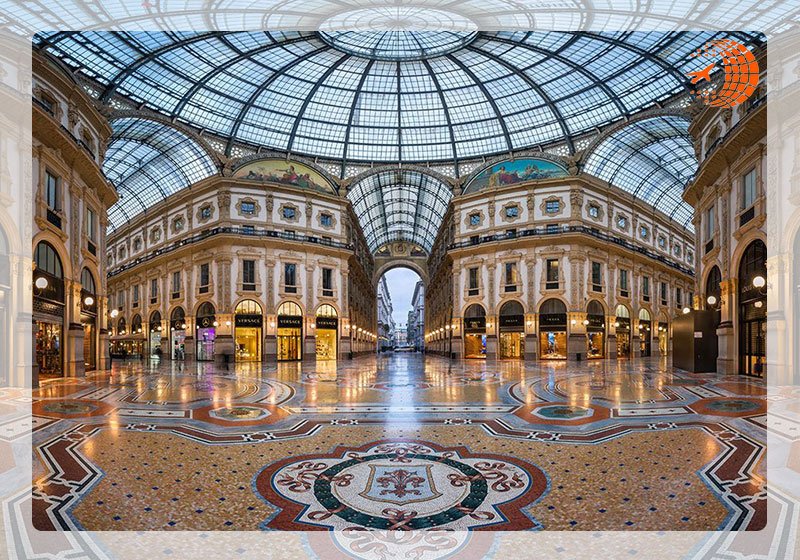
column 561, row 205
column 294, row 207
column 600, row 211
column 256, row 208
column 505, row 218
column 467, row 221
column 200, row 218
column 333, row 223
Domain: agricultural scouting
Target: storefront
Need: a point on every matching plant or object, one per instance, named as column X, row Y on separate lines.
column 155, row 334
column 595, row 330
column 177, row 333
column 89, row 320
column 475, row 332
column 48, row 310
column 249, row 321
column 622, row 323
column 290, row 332
column 511, row 324
column 206, row 325
column 753, row 310
column 553, row 330
column 327, row 327
column 663, row 337
column 645, row 333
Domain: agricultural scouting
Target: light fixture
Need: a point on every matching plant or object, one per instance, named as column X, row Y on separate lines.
column 183, row 326
column 447, row 327
column 573, row 322
column 758, row 304
column 227, row 323
column 139, row 330
column 41, row 282
column 216, row 323
column 586, row 321
column 616, row 323
column 114, row 313
column 271, row 324
column 711, row 300
column 530, row 323
column 686, row 310
column 158, row 328
column 89, row 300
column 759, row 281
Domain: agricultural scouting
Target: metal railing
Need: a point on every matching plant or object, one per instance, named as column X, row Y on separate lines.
column 542, row 232
column 245, row 232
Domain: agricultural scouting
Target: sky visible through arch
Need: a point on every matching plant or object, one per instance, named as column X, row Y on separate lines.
column 401, row 282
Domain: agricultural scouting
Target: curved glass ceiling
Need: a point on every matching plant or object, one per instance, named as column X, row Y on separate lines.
column 147, row 161
column 400, row 205
column 398, row 45
column 335, row 96
column 653, row 159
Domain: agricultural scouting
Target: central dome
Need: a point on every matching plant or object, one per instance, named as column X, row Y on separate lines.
column 398, row 45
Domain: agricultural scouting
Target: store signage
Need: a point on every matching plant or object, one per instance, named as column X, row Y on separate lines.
column 475, row 324
column 512, row 321
column 252, row 321
column 290, row 322
column 553, row 319
column 624, row 323
column 327, row 322
column 596, row 321
column 205, row 322
column 178, row 324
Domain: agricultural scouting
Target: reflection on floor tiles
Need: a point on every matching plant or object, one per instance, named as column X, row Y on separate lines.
column 400, row 442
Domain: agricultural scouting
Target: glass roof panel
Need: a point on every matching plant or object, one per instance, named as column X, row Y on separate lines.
column 147, row 161
column 653, row 159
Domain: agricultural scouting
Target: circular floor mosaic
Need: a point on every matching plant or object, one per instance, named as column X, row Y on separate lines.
column 400, row 486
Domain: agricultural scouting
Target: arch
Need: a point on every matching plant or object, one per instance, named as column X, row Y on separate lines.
column 121, row 325
column 513, row 171
column 552, row 305
column 326, row 310
column 290, row 308
column 713, row 287
column 644, row 315
column 87, row 281
column 136, row 324
column 277, row 170
column 177, row 314
column 511, row 307
column 399, row 262
column 47, row 260
column 248, row 307
column 205, row 309
column 743, row 245
column 155, row 318
column 595, row 307
column 474, row 311
column 621, row 310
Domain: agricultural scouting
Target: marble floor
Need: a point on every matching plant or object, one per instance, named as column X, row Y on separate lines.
column 400, row 442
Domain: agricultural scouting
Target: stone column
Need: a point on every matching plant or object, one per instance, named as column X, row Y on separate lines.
column 726, row 342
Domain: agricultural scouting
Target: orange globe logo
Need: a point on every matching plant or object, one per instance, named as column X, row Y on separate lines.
column 741, row 73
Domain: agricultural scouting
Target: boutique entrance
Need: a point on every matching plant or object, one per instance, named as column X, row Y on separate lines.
column 327, row 327
column 595, row 330
column 290, row 332
column 206, row 332
column 753, row 310
column 48, row 310
column 511, row 324
column 249, row 323
column 475, row 332
column 553, row 330
column 622, row 323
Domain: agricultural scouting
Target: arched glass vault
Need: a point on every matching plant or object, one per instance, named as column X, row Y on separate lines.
column 400, row 205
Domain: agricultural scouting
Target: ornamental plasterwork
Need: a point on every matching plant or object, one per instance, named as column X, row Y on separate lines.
column 200, row 218
column 625, row 227
column 503, row 212
column 469, row 214
column 333, row 221
column 155, row 235
column 256, row 208
column 178, row 224
column 286, row 205
column 561, row 206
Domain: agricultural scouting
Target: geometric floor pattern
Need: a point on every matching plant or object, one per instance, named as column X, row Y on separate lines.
column 399, row 443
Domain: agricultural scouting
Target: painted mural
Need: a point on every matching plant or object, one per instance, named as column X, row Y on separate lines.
column 286, row 172
column 517, row 171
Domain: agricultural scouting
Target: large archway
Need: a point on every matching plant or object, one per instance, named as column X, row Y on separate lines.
column 401, row 319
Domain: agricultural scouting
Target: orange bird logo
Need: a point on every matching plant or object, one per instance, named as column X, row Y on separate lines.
column 740, row 74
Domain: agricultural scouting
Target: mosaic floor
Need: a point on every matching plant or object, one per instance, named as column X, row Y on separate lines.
column 398, row 443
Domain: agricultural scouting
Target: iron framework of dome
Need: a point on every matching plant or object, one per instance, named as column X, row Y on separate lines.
column 386, row 97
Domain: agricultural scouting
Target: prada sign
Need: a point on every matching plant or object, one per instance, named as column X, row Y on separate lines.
column 290, row 322
column 512, row 321
column 553, row 319
column 249, row 321
column 596, row 321
column 327, row 322
column 475, row 324
column 624, row 323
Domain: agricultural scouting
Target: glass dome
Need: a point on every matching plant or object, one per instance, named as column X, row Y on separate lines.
column 377, row 96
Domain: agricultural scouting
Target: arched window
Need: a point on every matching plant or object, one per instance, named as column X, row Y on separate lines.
column 623, row 312
column 121, row 325
column 47, row 260
column 178, row 314
column 553, row 306
column 136, row 324
column 644, row 315
column 326, row 310
column 754, row 263
column 155, row 320
column 248, row 307
column 87, row 282
column 595, row 308
column 713, row 288
column 512, row 308
column 475, row 311
column 206, row 310
column 289, row 308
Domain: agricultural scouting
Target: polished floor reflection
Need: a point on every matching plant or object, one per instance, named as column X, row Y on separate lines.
column 400, row 442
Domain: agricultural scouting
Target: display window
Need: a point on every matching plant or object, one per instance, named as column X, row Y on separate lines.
column 248, row 344
column 178, row 344
column 48, row 349
column 155, row 343
column 622, row 323
column 553, row 344
column 475, row 332
column 290, row 344
column 89, row 344
column 595, row 342
column 511, row 324
column 663, row 338
column 645, row 334
column 553, row 330
column 475, row 345
column 206, row 332
column 512, row 345
column 327, row 329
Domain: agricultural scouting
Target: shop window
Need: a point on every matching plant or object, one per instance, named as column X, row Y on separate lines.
column 249, row 276
column 176, row 284
column 205, row 278
column 473, row 282
column 290, row 278
column 552, row 274
column 597, row 276
column 327, row 282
